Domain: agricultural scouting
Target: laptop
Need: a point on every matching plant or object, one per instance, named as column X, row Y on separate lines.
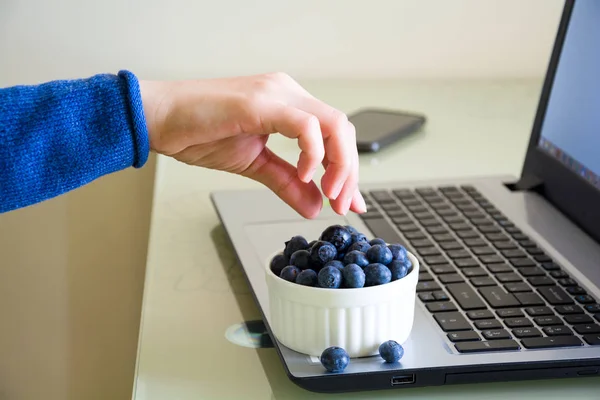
column 509, row 287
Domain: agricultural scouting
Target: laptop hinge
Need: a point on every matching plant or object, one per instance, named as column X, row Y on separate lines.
column 527, row 183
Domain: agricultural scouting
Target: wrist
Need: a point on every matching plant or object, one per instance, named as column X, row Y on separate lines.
column 153, row 100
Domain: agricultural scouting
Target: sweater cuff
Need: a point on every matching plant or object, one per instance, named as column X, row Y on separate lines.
column 138, row 119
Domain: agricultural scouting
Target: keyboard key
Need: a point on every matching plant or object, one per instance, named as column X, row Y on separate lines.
column 423, row 215
column 491, row 259
column 441, row 307
column 404, row 220
column 555, row 295
column 425, row 276
column 541, row 281
column 488, row 324
column 559, row 330
column 451, row 278
column 455, row 254
column 499, row 268
column 587, row 329
column 441, row 296
column 539, row 311
column 475, row 242
column 435, row 260
column 529, row 299
column 593, row 308
column 569, row 310
column 482, row 221
column 426, row 297
column 522, row 262
column 519, row 236
column 421, row 243
column 526, row 332
column 480, row 314
column 451, row 246
column 517, row 287
column 592, row 340
column 382, row 196
column 393, row 209
column 584, row 299
column 436, row 229
column 576, row 290
column 513, row 254
column 382, row 229
column 452, row 321
column 549, row 320
column 518, row 322
column 465, row 296
column 454, row 219
column 498, row 298
column 509, row 277
column 483, row 281
column 542, row 258
column 483, row 251
column 430, row 222
column 567, row 282
column 403, row 193
column 504, row 245
column 481, row 346
column 513, row 230
column 414, row 235
column 443, row 269
column 532, row 271
column 427, row 287
column 467, row 234
column 551, row 342
column 443, row 237
column 578, row 319
column 496, row 334
column 466, row 262
column 497, row 237
column 407, row 227
column 489, row 229
column 428, row 251
column 474, row 272
column 527, row 243
column 550, row 266
column 510, row 313
column 558, row 274
column 463, row 336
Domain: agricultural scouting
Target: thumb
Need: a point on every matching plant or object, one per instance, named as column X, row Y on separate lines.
column 282, row 178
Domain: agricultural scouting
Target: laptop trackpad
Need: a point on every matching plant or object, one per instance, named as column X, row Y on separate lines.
column 269, row 238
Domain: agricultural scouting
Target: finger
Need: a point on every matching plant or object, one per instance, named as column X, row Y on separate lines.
column 358, row 204
column 297, row 124
column 342, row 204
column 340, row 144
column 282, row 178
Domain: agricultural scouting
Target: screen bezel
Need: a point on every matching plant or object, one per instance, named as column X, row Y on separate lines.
column 566, row 190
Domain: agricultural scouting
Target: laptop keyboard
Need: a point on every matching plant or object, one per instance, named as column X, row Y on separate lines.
column 488, row 285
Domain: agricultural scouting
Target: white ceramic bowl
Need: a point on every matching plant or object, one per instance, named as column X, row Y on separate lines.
column 310, row 319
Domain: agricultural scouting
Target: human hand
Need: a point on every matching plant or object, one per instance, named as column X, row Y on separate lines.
column 224, row 124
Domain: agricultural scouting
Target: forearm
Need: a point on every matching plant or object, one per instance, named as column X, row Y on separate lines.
column 61, row 135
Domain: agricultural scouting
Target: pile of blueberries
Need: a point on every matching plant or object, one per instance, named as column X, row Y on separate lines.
column 342, row 257
column 336, row 359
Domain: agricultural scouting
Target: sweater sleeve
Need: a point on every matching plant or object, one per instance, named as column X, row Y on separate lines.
column 60, row 135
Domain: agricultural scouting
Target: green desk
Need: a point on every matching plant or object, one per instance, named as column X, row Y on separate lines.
column 195, row 292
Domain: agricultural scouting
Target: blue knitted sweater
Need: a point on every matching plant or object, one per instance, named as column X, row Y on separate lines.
column 60, row 135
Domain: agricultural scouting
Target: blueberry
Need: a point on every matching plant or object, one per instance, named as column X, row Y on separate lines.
column 278, row 263
column 340, row 256
column 290, row 273
column 351, row 229
column 321, row 253
column 335, row 359
column 301, row 259
column 377, row 274
column 358, row 237
column 360, row 246
column 311, row 244
column 294, row 244
column 338, row 236
column 379, row 254
column 353, row 276
column 330, row 277
column 398, row 252
column 399, row 269
column 391, row 351
column 375, row 241
column 308, row 277
column 335, row 263
column 356, row 257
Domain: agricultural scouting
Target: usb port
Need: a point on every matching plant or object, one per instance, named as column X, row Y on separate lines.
column 403, row 380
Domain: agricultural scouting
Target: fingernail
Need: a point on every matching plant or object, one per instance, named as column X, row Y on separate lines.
column 362, row 206
column 336, row 192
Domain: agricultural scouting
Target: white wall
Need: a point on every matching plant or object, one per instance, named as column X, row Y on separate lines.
column 307, row 38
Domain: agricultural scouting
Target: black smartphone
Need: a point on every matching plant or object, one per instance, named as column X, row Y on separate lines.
column 378, row 128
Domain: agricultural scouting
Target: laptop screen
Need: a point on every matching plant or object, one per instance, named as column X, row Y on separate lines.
column 571, row 128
